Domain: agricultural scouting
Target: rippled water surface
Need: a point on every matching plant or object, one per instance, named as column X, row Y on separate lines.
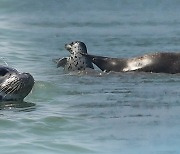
column 90, row 112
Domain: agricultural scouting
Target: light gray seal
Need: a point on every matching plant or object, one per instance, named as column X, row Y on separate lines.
column 76, row 61
column 14, row 86
column 155, row 63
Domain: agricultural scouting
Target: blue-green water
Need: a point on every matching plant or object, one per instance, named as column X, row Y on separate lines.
column 90, row 113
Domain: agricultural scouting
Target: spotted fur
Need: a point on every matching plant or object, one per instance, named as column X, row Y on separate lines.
column 76, row 61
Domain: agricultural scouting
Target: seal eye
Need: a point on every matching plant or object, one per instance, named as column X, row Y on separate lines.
column 72, row 43
column 3, row 71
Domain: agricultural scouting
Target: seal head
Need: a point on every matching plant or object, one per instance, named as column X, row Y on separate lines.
column 14, row 86
column 76, row 61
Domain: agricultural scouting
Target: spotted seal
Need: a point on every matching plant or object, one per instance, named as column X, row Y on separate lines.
column 76, row 61
column 155, row 62
column 14, row 86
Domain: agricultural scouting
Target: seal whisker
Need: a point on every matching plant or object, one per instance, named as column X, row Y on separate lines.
column 15, row 86
column 10, row 92
column 11, row 85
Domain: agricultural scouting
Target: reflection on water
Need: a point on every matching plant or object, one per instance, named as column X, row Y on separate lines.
column 17, row 106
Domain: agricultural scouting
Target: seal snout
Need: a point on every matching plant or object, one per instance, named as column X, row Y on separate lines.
column 68, row 47
column 28, row 77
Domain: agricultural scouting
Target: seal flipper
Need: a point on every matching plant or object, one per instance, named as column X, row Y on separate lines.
column 107, row 64
column 99, row 61
column 89, row 63
column 61, row 62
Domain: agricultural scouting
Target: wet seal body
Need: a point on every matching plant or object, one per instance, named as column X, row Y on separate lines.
column 76, row 61
column 155, row 63
column 14, row 86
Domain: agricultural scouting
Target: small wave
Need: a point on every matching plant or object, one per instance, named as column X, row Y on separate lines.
column 3, row 61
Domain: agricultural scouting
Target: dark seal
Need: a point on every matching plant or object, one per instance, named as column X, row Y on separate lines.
column 14, row 86
column 155, row 63
column 76, row 61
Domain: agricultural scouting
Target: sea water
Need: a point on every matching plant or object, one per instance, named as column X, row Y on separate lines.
column 90, row 112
